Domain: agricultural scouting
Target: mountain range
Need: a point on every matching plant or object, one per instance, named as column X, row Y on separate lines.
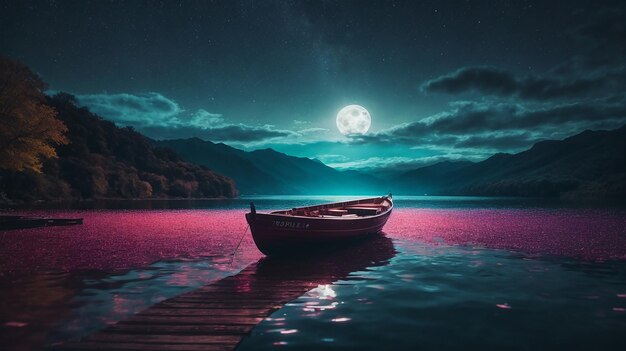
column 268, row 171
column 591, row 163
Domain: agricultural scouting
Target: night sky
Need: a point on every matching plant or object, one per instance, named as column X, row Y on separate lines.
column 441, row 80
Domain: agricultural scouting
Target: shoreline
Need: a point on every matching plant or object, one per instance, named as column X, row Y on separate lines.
column 197, row 203
column 71, row 203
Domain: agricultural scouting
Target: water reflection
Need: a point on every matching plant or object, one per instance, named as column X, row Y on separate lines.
column 450, row 297
column 49, row 307
column 281, row 279
column 26, row 306
column 289, row 278
column 327, row 267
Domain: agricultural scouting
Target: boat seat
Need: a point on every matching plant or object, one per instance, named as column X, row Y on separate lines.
column 303, row 213
column 366, row 205
column 333, row 212
column 363, row 210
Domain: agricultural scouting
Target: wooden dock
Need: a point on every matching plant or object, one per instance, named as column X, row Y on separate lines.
column 218, row 316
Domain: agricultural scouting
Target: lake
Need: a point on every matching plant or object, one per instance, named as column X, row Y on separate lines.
column 450, row 273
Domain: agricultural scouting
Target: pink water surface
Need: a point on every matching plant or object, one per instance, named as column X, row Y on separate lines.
column 581, row 233
column 118, row 240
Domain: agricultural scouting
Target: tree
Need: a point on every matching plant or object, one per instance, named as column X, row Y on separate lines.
column 29, row 128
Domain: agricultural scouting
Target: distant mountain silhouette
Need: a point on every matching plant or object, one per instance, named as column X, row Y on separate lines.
column 105, row 161
column 592, row 163
column 424, row 180
column 227, row 160
column 268, row 171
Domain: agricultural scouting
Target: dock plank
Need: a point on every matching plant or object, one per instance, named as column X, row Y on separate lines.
column 220, row 320
column 258, row 312
column 138, row 329
column 164, row 338
column 136, row 346
column 220, row 315
column 245, row 305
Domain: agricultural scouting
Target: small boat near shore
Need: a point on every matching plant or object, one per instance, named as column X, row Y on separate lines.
column 306, row 229
column 9, row 222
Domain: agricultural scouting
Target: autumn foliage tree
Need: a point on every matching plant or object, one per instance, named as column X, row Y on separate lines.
column 29, row 128
column 51, row 149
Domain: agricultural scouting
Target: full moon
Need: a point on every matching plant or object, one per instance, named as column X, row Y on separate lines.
column 353, row 120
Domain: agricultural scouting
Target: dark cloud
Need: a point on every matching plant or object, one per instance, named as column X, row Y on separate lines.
column 596, row 67
column 494, row 81
column 470, row 117
column 162, row 118
column 234, row 133
column 585, row 91
column 485, row 79
column 499, row 142
column 504, row 125
column 127, row 109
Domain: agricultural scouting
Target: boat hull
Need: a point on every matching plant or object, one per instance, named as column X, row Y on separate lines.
column 282, row 235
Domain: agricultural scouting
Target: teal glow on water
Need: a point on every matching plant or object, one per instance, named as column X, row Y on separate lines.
column 454, row 273
column 451, row 297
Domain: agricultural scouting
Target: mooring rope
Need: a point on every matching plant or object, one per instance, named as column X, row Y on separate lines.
column 232, row 257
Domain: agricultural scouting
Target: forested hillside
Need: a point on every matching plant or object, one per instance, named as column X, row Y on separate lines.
column 101, row 160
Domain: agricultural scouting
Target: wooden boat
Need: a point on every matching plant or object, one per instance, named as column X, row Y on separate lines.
column 307, row 229
column 8, row 222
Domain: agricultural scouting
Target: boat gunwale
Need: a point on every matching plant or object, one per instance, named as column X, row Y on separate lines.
column 358, row 218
